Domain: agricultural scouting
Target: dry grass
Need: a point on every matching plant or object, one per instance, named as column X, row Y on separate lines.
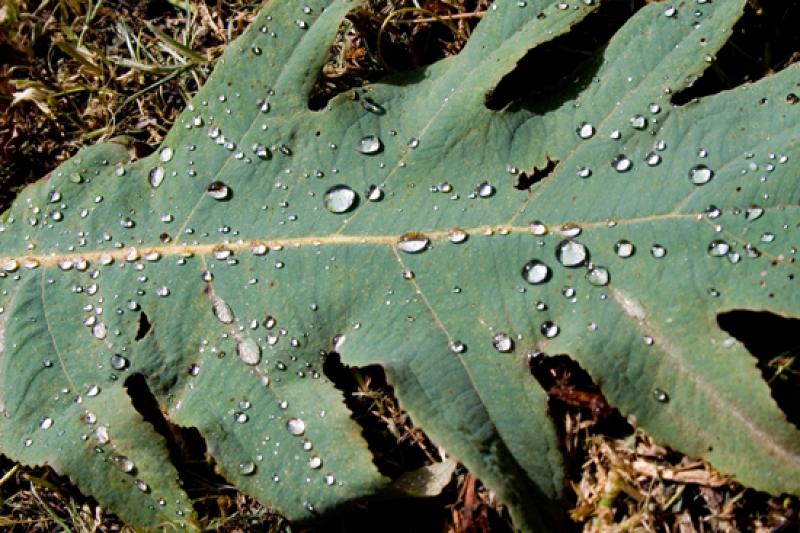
column 77, row 72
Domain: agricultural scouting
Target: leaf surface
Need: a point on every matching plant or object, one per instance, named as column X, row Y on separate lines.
column 228, row 297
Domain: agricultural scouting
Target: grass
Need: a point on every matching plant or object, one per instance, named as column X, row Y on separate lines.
column 79, row 72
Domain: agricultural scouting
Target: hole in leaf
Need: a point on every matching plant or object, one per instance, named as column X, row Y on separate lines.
column 773, row 341
column 570, row 387
column 187, row 451
column 144, row 326
column 525, row 181
column 764, row 41
column 396, row 445
column 545, row 69
column 410, row 39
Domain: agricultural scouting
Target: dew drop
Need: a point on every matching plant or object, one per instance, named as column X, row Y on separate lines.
column 652, row 159
column 753, row 213
column 218, row 190
column 660, row 396
column 249, row 351
column 538, row 228
column 549, row 329
column 156, row 176
column 571, row 253
column 413, row 243
column 638, row 122
column 340, row 199
column 222, row 310
column 621, row 163
column 503, row 342
column 295, row 426
column 658, row 251
column 369, row 145
column 585, row 130
column 535, row 272
column 119, row 362
column 374, row 193
column 123, row 464
column 457, row 347
column 46, row 423
column 315, row 462
column 700, row 174
column 485, row 189
column 597, row 276
column 166, row 154
column 457, row 235
column 247, row 468
column 718, row 248
column 624, row 248
column 141, row 485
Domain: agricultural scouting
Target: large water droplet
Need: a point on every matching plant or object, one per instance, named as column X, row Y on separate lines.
column 621, row 163
column 503, row 342
column 369, row 145
column 218, row 190
column 123, row 463
column 222, row 310
column 156, row 176
column 585, row 130
column 718, row 248
column 413, row 243
column 249, row 351
column 535, row 272
column 624, row 248
column 571, row 253
column 295, row 426
column 549, row 329
column 700, row 174
column 340, row 199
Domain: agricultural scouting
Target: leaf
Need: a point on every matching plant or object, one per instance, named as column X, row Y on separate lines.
column 247, row 279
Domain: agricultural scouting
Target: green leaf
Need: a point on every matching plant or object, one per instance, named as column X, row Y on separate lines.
column 96, row 253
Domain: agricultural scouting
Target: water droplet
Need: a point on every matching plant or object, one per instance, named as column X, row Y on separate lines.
column 718, row 248
column 156, row 176
column 571, row 253
column 249, row 351
column 295, row 426
column 247, row 468
column 374, row 193
column 660, row 396
column 549, row 329
column 700, row 174
column 503, row 342
column 535, row 272
column 46, row 423
column 753, row 213
column 413, row 142
column 261, row 151
column 163, row 291
column 597, row 276
column 585, row 130
column 118, row 362
column 624, row 248
column 166, row 154
column 315, row 462
column 457, row 235
column 584, row 172
column 652, row 159
column 767, row 237
column 369, row 145
column 218, row 190
column 413, row 243
column 570, row 230
column 538, row 228
column 457, row 347
column 340, row 199
column 221, row 310
column 122, row 463
column 141, row 485
column 92, row 391
column 485, row 189
column 620, row 163
column 658, row 251
column 638, row 122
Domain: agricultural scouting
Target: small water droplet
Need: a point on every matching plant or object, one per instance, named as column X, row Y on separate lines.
column 624, row 248
column 247, row 468
column 315, row 462
column 652, row 159
column 221, row 310
column 119, row 362
column 122, row 463
column 753, row 213
column 46, row 423
column 485, row 190
column 660, row 396
column 597, row 276
column 538, row 228
column 457, row 347
column 166, row 154
column 658, row 251
column 141, row 485
column 638, row 122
